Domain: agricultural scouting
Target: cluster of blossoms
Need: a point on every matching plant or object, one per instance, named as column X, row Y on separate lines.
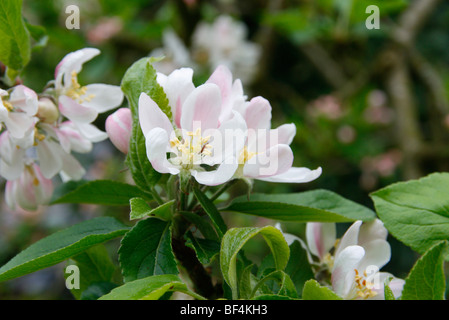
column 354, row 260
column 215, row 134
column 40, row 131
column 224, row 42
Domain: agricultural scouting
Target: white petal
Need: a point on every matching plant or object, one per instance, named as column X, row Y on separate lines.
column 378, row 253
column 91, row 132
column 222, row 174
column 372, row 230
column 343, row 273
column 151, row 116
column 274, row 161
column 294, row 175
column 75, row 111
column 321, row 238
column 157, row 141
column 73, row 62
column 50, row 161
column 24, row 99
column 350, row 238
column 103, row 97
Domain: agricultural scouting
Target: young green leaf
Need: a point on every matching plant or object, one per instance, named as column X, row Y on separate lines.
column 146, row 250
column 62, row 245
column 426, row 280
column 206, row 249
column 141, row 77
column 235, row 239
column 95, row 266
column 140, row 209
column 212, row 212
column 150, row 288
column 104, row 192
column 286, row 286
column 15, row 50
column 416, row 212
column 316, row 205
column 314, row 291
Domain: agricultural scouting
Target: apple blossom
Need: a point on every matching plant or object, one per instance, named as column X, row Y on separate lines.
column 82, row 104
column 30, row 190
column 361, row 253
column 194, row 137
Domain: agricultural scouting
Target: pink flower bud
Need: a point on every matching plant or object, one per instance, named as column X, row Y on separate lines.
column 29, row 191
column 118, row 127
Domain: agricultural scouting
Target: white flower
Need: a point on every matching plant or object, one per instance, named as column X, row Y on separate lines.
column 82, row 104
column 195, row 138
column 321, row 238
column 267, row 155
column 17, row 112
column 224, row 42
column 361, row 253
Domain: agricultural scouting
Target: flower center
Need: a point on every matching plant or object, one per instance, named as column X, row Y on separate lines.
column 6, row 104
column 364, row 288
column 78, row 92
column 191, row 150
column 246, row 155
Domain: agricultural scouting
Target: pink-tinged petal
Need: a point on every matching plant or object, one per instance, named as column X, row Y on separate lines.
column 295, row 175
column 70, row 138
column 350, row 238
column 177, row 86
column 372, row 230
column 258, row 114
column 378, row 253
column 91, row 132
column 11, row 171
column 397, row 285
column 274, row 161
column 75, row 111
column 118, row 126
column 71, row 168
column 227, row 141
column 50, row 161
column 102, row 97
column 222, row 174
column 222, row 77
column 44, row 189
column 151, row 116
column 286, row 133
column 24, row 99
column 343, row 272
column 202, row 108
column 73, row 62
column 10, row 190
column 157, row 142
column 321, row 238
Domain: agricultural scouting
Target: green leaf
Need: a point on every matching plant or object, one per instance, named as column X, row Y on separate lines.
column 388, row 293
column 141, row 77
column 286, row 286
column 146, row 250
column 104, row 192
column 202, row 224
column 62, row 245
column 212, row 212
column 39, row 35
column 236, row 238
column 94, row 265
column 426, row 280
column 150, row 288
column 316, row 205
column 15, row 49
column 205, row 249
column 140, row 209
column 314, row 291
column 97, row 290
column 416, row 212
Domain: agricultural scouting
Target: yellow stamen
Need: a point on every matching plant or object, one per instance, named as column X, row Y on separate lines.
column 77, row 92
column 192, row 149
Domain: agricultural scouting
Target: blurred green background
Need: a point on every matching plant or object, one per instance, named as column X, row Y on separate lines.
column 370, row 105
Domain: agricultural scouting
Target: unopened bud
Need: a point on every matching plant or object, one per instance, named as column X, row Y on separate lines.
column 118, row 127
column 47, row 111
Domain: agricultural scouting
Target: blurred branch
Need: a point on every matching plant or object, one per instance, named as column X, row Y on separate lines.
column 328, row 67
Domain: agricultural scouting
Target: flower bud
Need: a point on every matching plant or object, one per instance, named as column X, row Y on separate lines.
column 118, row 127
column 29, row 191
column 47, row 111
